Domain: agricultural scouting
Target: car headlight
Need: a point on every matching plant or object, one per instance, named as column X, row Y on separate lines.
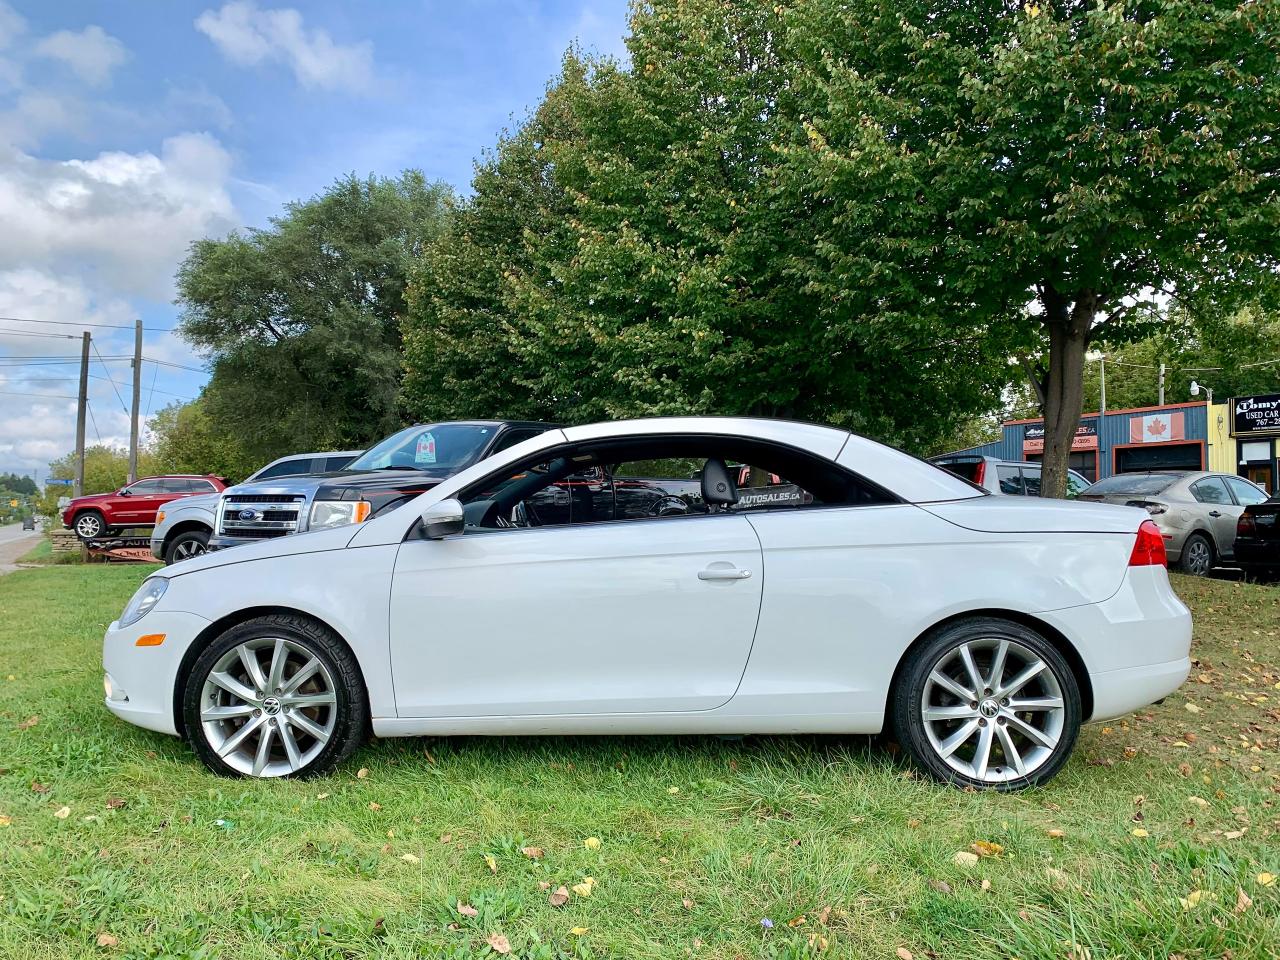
column 148, row 596
column 337, row 513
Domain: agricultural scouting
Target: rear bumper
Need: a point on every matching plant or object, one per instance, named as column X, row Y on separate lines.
column 1136, row 646
column 1257, row 553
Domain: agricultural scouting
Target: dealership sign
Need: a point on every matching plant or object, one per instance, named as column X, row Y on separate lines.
column 1256, row 414
column 1086, row 437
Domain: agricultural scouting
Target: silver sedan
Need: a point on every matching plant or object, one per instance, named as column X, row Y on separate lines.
column 1196, row 511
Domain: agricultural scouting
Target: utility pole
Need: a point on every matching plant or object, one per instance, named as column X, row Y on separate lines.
column 1162, row 383
column 1102, row 377
column 81, row 406
column 137, row 397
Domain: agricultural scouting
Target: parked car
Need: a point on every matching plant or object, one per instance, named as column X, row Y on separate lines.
column 1014, row 478
column 1258, row 539
column 135, row 505
column 183, row 528
column 391, row 472
column 983, row 630
column 1196, row 511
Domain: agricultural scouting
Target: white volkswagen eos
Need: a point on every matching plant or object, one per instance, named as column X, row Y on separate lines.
column 614, row 578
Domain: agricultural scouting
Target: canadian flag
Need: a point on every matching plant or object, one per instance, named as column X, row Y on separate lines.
column 1156, row 427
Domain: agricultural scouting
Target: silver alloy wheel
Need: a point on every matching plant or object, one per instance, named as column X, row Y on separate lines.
column 993, row 710
column 268, row 707
column 88, row 526
column 1199, row 556
column 188, row 549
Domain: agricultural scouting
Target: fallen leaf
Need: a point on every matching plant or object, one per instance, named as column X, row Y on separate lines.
column 62, row 813
column 409, row 858
column 673, row 790
column 1266, row 879
column 904, row 954
column 585, row 888
column 5, row 820
column 1192, row 899
column 579, row 931
column 1057, row 877
column 591, row 843
column 940, row 885
column 499, row 943
column 687, row 903
column 1200, row 802
column 985, row 885
column 362, row 773
column 467, row 910
column 533, row 853
column 446, row 838
column 1056, row 834
column 984, row 848
column 28, row 723
column 1191, row 707
column 796, row 921
column 818, row 942
column 1243, row 900
column 322, row 796
column 491, row 863
column 559, row 898
column 374, row 806
column 107, row 940
column 964, row 858
column 39, row 787
column 1139, row 832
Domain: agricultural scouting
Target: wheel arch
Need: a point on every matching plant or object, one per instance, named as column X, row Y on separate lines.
column 1051, row 633
column 181, row 527
column 220, row 626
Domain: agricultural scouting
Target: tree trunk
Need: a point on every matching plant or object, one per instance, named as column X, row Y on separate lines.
column 1068, row 327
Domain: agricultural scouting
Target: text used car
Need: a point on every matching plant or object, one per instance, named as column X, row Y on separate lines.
column 982, row 630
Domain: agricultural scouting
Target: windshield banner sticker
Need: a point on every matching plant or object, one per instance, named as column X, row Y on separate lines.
column 426, row 451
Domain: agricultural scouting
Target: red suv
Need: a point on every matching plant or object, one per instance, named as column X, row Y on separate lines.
column 133, row 506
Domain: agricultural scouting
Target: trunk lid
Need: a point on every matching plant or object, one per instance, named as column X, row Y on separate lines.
column 1266, row 520
column 1036, row 515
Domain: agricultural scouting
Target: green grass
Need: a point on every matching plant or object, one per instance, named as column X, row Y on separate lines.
column 41, row 553
column 701, row 838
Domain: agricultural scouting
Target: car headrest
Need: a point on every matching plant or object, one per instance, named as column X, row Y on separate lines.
column 717, row 484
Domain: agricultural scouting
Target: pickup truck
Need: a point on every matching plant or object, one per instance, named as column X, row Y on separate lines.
column 389, row 473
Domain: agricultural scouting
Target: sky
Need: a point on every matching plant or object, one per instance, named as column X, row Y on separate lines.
column 129, row 130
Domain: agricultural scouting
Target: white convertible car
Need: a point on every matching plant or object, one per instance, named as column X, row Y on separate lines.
column 850, row 588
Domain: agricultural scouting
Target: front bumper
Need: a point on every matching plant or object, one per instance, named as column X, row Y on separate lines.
column 157, row 547
column 141, row 682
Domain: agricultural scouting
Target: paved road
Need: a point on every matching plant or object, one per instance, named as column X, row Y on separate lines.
column 14, row 542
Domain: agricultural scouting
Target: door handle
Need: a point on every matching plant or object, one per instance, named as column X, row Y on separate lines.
column 724, row 573
column 1214, row 513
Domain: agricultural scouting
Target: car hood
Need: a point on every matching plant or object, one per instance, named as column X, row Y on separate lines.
column 312, row 541
column 1036, row 515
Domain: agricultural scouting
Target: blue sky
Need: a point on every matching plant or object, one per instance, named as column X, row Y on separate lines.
column 128, row 130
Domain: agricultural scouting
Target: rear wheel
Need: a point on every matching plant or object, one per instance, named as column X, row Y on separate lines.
column 279, row 696
column 987, row 703
column 90, row 525
column 1197, row 556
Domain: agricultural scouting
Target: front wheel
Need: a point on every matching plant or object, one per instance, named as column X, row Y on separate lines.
column 90, row 525
column 184, row 546
column 987, row 703
column 279, row 696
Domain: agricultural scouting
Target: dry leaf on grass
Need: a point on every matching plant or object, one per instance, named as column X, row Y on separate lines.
column 498, row 943
column 591, row 843
column 467, row 910
column 579, row 931
column 585, row 888
column 1193, row 899
column 491, row 863
column 107, row 940
column 1266, row 879
column 533, row 853
column 559, row 898
column 409, row 858
column 1243, row 900
column 28, row 723
column 362, row 773
column 904, row 954
column 62, row 813
column 1139, row 832
column 1056, row 834
column 985, row 848
column 963, row 858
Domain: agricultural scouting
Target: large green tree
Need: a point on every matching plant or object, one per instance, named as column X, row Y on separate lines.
column 1044, row 172
column 301, row 321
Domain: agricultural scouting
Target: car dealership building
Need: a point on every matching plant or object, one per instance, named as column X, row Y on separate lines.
column 1238, row 436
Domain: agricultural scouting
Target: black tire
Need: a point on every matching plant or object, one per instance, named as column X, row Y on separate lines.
column 189, row 543
column 90, row 525
column 351, row 727
column 1198, row 556
column 907, row 703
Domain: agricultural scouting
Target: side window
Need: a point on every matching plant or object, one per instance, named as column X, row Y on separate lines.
column 1246, row 493
column 1010, row 480
column 201, row 486
column 146, row 488
column 1031, row 481
column 511, row 438
column 1076, row 484
column 332, row 464
column 1210, row 490
column 290, row 468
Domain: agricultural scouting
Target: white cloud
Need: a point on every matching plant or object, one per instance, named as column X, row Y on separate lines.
column 127, row 216
column 250, row 37
column 92, row 53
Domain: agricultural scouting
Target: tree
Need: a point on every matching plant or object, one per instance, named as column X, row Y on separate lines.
column 106, row 469
column 17, row 484
column 184, row 439
column 301, row 321
column 1040, row 173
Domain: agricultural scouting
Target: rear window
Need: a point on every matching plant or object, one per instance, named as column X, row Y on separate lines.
column 1134, row 483
column 965, row 469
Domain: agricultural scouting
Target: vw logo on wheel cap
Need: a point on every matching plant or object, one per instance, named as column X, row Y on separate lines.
column 988, row 708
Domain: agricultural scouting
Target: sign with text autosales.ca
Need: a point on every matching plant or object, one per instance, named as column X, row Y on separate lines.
column 1086, row 437
column 1256, row 414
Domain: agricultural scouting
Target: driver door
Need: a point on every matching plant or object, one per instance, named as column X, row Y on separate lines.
column 626, row 617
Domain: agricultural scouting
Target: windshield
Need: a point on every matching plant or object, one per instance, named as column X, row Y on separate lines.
column 441, row 448
column 1134, row 483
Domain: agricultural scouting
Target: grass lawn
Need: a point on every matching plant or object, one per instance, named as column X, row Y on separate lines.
column 1156, row 840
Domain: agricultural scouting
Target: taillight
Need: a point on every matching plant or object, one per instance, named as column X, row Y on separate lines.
column 1148, row 549
column 1150, row 506
column 980, row 473
column 1246, row 526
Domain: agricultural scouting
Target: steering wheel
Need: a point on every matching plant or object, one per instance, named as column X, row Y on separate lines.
column 498, row 518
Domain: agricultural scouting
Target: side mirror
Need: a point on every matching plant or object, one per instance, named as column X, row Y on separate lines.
column 442, row 519
column 125, row 492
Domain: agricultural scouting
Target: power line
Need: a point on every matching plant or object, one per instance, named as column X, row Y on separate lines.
column 155, row 372
column 170, row 363
column 113, row 383
column 89, row 407
column 78, row 324
column 46, row 396
column 49, row 336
